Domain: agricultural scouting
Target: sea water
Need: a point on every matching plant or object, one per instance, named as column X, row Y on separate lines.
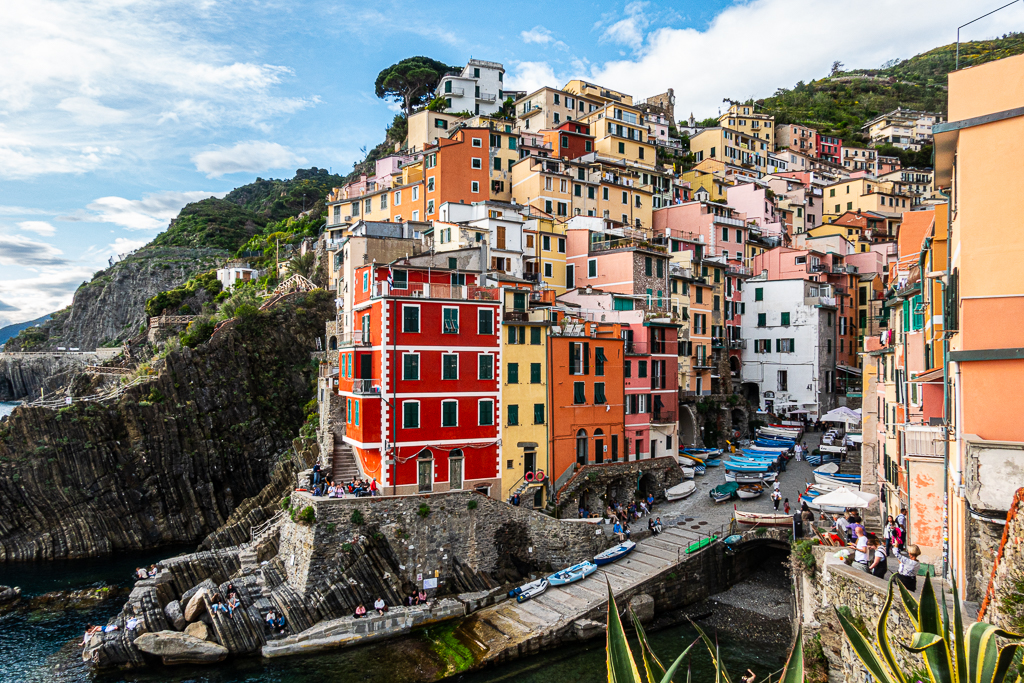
column 7, row 407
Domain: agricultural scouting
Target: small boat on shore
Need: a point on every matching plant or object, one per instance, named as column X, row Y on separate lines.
column 693, row 459
column 750, row 477
column 614, row 553
column 529, row 590
column 748, row 491
column 687, row 472
column 699, row 469
column 680, row 491
column 702, row 543
column 575, row 573
column 724, row 492
column 713, row 462
column 762, row 518
column 829, row 474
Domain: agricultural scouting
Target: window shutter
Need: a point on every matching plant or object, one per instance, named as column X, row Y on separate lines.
column 778, row 345
column 573, row 359
column 586, row 358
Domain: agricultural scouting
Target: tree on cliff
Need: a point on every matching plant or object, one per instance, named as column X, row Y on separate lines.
column 410, row 81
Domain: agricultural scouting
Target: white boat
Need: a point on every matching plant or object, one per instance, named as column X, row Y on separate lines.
column 762, row 518
column 680, row 491
column 775, row 431
column 614, row 553
column 531, row 590
column 749, row 491
column 687, row 472
column 750, row 477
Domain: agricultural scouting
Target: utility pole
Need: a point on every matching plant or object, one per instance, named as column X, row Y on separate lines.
column 277, row 257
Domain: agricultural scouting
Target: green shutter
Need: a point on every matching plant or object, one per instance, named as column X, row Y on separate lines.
column 599, row 393
column 511, row 334
column 411, row 366
column 778, row 345
column 486, row 413
column 410, row 415
column 762, row 319
column 451, row 366
column 785, row 317
column 538, row 413
column 513, row 373
column 534, row 373
column 647, row 265
column 513, row 414
column 535, row 336
column 759, row 294
column 449, row 414
column 579, row 393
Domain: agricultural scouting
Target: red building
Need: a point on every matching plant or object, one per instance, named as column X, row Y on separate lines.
column 570, row 140
column 420, row 374
column 829, row 148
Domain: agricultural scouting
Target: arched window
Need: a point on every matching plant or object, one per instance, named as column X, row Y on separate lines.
column 333, row 344
column 581, row 447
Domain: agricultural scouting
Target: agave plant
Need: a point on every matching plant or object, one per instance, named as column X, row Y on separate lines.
column 973, row 656
column 622, row 666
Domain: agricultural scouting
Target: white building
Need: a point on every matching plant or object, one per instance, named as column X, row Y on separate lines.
column 478, row 89
column 500, row 225
column 231, row 274
column 790, row 329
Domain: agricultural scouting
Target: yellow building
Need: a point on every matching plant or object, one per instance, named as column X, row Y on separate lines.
column 619, row 131
column 524, row 392
column 851, row 233
column 863, row 194
column 732, row 147
column 744, row 118
column 550, row 252
column 548, row 107
column 714, row 185
column 597, row 93
column 426, row 127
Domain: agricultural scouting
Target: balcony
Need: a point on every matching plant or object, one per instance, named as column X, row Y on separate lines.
column 739, row 270
column 436, row 291
column 357, row 339
column 513, row 316
column 736, row 344
column 366, row 386
column 725, row 220
column 718, row 343
column 664, row 416
column 625, row 243
column 486, row 97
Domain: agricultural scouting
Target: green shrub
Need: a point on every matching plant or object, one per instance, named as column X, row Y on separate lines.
column 803, row 554
column 357, row 518
column 286, row 502
column 197, row 332
column 471, row 505
column 423, row 511
column 306, row 516
column 331, row 527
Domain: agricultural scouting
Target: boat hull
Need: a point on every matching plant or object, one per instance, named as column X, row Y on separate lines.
column 762, row 519
column 680, row 491
column 533, row 591
column 575, row 573
column 615, row 553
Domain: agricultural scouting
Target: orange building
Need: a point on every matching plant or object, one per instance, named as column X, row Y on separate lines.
column 457, row 170
column 975, row 154
column 570, row 140
column 585, row 395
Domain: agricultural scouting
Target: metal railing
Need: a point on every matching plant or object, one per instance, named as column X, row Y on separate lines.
column 737, row 343
column 366, row 386
column 437, row 291
column 357, row 339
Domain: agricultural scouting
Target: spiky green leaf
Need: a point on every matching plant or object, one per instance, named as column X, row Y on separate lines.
column 909, row 602
column 928, row 619
column 652, row 665
column 882, row 634
column 867, row 655
column 794, row 671
column 667, row 678
column 936, row 656
column 720, row 673
column 621, row 665
column 1005, row 661
column 983, row 653
column 959, row 648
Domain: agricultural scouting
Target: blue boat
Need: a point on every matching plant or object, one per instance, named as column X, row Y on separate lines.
column 615, row 553
column 772, row 442
column 702, row 452
column 698, row 469
column 713, row 462
column 575, row 573
column 529, row 590
column 746, row 467
column 762, row 452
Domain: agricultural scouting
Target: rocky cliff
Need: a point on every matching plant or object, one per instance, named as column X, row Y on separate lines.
column 112, row 306
column 23, row 375
column 170, row 460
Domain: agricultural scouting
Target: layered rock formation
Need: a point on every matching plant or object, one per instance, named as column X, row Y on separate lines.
column 112, row 306
column 23, row 375
column 170, row 460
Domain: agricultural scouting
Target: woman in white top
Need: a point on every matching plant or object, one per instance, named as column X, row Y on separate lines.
column 379, row 606
column 908, row 566
column 861, row 546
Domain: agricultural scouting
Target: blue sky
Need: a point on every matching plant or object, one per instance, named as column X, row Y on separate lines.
column 115, row 113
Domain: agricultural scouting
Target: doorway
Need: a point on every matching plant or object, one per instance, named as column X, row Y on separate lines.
column 425, row 477
column 581, row 447
column 455, row 471
column 365, row 366
column 598, row 446
column 529, row 460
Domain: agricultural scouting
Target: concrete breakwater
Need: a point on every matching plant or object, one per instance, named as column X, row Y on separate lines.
column 316, row 573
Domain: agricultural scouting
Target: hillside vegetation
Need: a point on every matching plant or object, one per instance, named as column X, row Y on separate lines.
column 843, row 102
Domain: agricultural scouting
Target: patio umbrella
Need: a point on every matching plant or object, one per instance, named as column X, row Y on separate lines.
column 847, row 498
column 841, row 414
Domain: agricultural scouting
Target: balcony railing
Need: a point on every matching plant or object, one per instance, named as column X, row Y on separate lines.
column 437, row 291
column 486, row 97
column 535, row 316
column 737, row 343
column 625, row 243
column 738, row 270
column 665, row 416
column 357, row 339
column 366, row 386
column 725, row 220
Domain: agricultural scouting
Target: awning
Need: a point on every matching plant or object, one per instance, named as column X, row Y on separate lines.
column 848, row 369
column 933, row 375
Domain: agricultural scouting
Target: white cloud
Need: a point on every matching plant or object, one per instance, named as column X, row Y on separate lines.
column 50, row 290
column 734, row 58
column 20, row 211
column 253, row 156
column 123, row 245
column 152, row 212
column 18, row 250
column 38, row 227
column 538, row 35
column 72, row 68
column 628, row 31
column 529, row 76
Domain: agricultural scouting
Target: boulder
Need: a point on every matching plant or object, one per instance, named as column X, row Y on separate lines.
column 9, row 594
column 196, row 606
column 175, row 617
column 179, row 648
column 208, row 584
column 642, row 605
column 198, row 630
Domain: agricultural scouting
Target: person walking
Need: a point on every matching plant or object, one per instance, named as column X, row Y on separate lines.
column 786, row 506
column 887, row 534
column 776, row 498
column 860, row 545
column 878, row 566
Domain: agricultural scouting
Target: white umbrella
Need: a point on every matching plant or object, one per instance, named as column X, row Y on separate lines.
column 847, row 498
column 841, row 414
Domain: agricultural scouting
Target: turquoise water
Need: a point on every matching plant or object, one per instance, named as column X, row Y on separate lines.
column 6, row 408
column 26, row 644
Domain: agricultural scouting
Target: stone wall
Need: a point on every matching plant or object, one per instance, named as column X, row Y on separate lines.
column 597, row 485
column 490, row 543
column 1001, row 599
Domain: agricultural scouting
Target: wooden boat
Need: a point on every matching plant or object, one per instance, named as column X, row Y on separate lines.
column 724, row 492
column 703, row 452
column 680, row 491
column 699, row 469
column 779, row 450
column 614, row 553
column 748, row 491
column 831, row 509
column 750, row 477
column 702, row 543
column 774, row 442
column 735, row 466
column 829, row 474
column 713, row 462
column 531, row 590
column 691, row 457
column 518, row 590
column 762, row 518
column 575, row 573
column 687, row 472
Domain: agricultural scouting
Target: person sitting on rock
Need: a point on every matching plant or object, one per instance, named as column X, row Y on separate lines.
column 270, row 621
column 617, row 530
column 421, row 598
column 90, row 631
column 140, row 573
column 280, row 624
column 360, row 611
column 651, row 528
column 233, row 604
column 132, row 623
column 625, row 530
column 380, row 606
column 650, row 501
column 217, row 603
column 411, row 600
column 657, row 525
column 152, row 570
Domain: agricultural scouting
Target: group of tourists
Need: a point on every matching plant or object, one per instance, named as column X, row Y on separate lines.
column 219, row 604
column 357, row 487
column 621, row 515
column 275, row 623
column 379, row 605
column 143, row 573
column 871, row 552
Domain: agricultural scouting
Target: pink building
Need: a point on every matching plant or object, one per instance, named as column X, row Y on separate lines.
column 722, row 229
column 752, row 199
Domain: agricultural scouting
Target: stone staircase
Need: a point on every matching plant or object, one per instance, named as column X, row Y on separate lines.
column 343, row 463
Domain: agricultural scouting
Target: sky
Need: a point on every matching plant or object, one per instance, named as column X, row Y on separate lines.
column 116, row 113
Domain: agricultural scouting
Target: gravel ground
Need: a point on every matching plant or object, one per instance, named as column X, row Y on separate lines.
column 701, row 513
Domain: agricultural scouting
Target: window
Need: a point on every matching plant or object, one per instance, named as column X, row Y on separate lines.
column 398, row 198
column 485, row 366
column 535, row 336
column 535, row 372
column 647, row 265
column 625, row 198
column 548, row 270
column 477, row 142
column 411, row 414
column 449, row 413
column 366, row 281
column 485, row 321
column 725, row 234
column 430, row 206
column 474, row 187
column 592, row 268
column 410, row 318
column 476, row 162
column 561, row 245
column 486, row 413
column 538, row 413
column 579, row 393
column 622, row 148
column 783, row 380
column 759, row 294
column 604, row 193
column 430, row 184
column 599, row 397
column 513, row 335
column 513, row 373
column 762, row 319
column 546, row 242
column 415, row 192
column 512, row 411
column 785, row 318
column 411, row 366
column 739, row 236
column 400, row 279
column 450, row 366
column 355, row 404
column 641, row 368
